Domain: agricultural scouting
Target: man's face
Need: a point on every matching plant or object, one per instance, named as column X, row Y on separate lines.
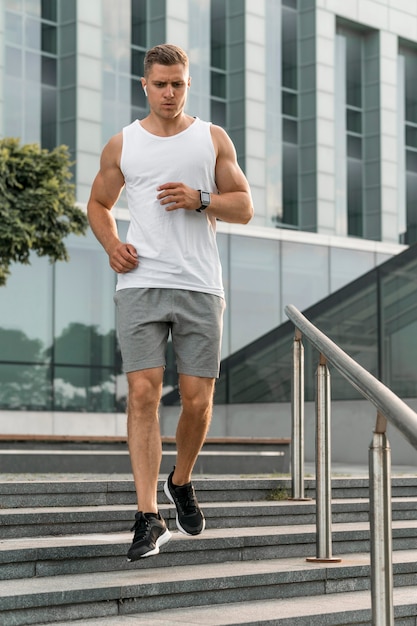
column 167, row 89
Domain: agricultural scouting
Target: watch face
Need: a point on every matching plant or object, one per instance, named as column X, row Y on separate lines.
column 205, row 198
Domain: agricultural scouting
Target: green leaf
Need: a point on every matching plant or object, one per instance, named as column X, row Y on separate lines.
column 37, row 204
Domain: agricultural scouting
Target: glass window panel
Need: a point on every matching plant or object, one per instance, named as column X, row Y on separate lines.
column 33, row 34
column 109, row 57
column 411, row 200
column 67, row 104
column 84, row 389
column 354, row 147
column 92, row 312
column 49, row 34
column 67, row 11
column 289, row 104
column 354, row 70
column 33, row 7
column 49, row 118
column 290, row 130
column 109, row 85
column 354, row 121
column 305, row 274
column 49, row 9
column 411, row 161
column 354, row 197
column 138, row 97
column 356, row 332
column 13, row 107
column 138, row 57
column 123, row 91
column 139, row 19
column 289, row 49
column 32, row 118
column 410, row 86
column 13, row 62
column 218, row 85
column 84, row 344
column 67, row 39
column 14, row 5
column 346, row 265
column 49, row 71
column 398, row 318
column 218, row 113
column 290, row 3
column 254, row 284
column 68, row 71
column 25, row 308
column 25, row 387
column 13, row 29
column 67, row 133
column 411, row 136
column 33, row 67
column 218, row 33
column 290, row 185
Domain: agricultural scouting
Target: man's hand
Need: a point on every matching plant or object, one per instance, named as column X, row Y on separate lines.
column 178, row 196
column 123, row 258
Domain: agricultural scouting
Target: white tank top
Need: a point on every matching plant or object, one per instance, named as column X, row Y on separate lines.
column 176, row 249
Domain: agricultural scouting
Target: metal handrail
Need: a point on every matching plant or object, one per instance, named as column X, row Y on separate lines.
column 389, row 408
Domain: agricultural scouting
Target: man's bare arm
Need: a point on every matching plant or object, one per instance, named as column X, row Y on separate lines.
column 232, row 204
column 105, row 192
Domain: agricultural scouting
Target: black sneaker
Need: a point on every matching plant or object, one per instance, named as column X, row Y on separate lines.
column 150, row 534
column 190, row 519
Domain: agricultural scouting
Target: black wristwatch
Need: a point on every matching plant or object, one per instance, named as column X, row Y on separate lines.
column 204, row 199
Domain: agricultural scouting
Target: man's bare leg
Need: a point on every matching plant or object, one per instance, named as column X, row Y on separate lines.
column 193, row 425
column 144, row 436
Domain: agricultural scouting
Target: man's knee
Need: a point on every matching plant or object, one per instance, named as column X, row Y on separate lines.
column 145, row 389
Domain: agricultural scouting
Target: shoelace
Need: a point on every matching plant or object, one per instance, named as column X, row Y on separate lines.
column 187, row 500
column 140, row 527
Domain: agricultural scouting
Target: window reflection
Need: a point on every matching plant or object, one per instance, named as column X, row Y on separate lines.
column 218, row 46
column 289, row 96
column 25, row 387
column 410, row 68
column 354, row 86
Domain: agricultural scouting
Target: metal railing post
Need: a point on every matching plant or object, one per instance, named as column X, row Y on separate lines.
column 297, row 419
column 381, row 526
column 323, row 466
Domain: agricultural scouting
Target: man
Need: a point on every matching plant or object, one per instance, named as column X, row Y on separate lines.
column 181, row 175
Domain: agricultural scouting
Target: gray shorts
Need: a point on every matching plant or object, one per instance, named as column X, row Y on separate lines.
column 145, row 317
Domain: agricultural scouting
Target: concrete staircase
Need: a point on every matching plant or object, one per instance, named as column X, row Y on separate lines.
column 63, row 544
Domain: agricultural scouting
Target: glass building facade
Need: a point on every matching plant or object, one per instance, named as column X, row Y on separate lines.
column 321, row 105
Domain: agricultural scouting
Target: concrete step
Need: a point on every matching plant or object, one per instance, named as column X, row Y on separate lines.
column 58, row 491
column 341, row 609
column 55, row 521
column 139, row 591
column 39, row 490
column 97, row 552
column 218, row 456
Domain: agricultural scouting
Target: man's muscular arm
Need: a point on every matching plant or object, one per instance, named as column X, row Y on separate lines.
column 105, row 192
column 232, row 204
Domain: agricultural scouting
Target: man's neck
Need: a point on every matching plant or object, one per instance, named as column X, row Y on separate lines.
column 166, row 127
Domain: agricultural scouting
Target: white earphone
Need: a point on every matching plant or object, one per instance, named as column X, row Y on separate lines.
column 145, row 90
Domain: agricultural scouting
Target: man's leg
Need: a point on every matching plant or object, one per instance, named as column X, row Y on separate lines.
column 197, row 406
column 144, row 437
column 194, row 422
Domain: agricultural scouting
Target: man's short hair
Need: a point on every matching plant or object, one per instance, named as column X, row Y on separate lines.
column 164, row 54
